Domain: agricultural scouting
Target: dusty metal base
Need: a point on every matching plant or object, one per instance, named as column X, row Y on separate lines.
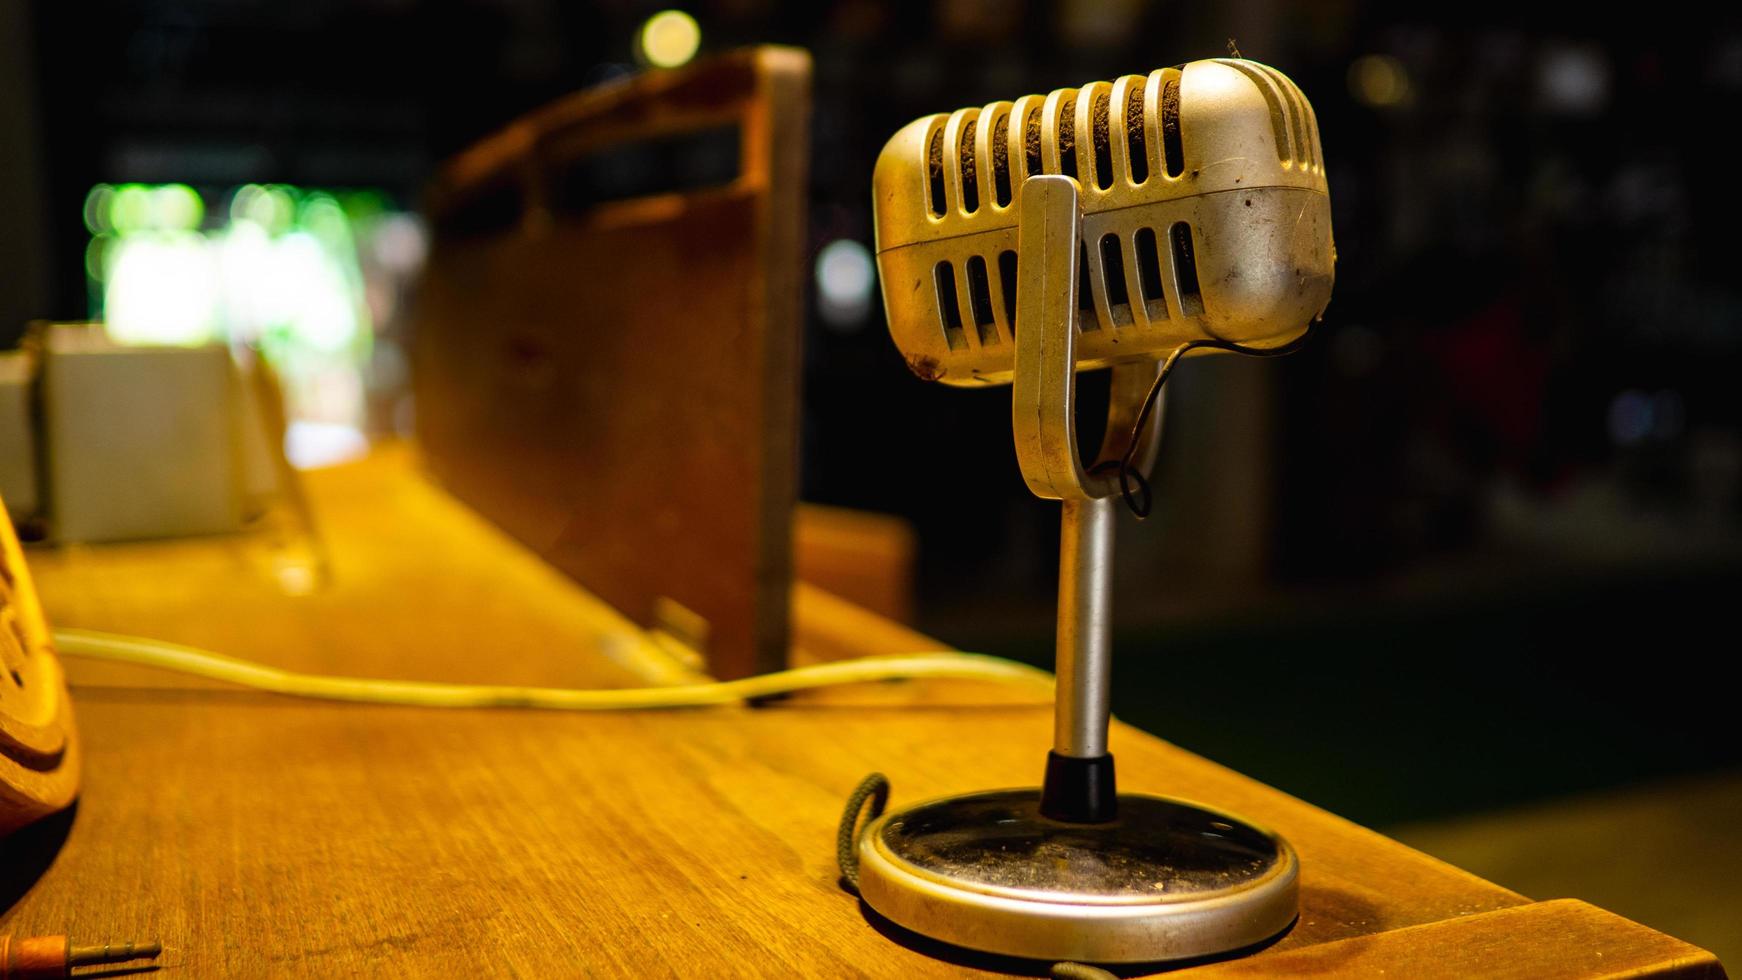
column 1166, row 880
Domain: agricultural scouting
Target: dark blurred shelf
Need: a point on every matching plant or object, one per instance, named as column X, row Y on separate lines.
column 1437, row 697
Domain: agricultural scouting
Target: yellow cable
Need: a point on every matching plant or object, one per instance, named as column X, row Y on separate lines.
column 428, row 694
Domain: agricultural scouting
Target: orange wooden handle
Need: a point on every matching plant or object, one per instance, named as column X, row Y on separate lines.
column 34, row 958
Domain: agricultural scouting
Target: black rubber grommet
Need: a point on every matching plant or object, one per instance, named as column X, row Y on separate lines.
column 1079, row 790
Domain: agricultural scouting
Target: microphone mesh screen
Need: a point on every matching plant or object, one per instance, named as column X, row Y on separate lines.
column 1170, row 137
column 1136, row 150
column 1031, row 141
column 1068, row 143
column 970, row 179
column 935, row 165
column 1145, row 219
column 1001, row 159
column 1103, row 141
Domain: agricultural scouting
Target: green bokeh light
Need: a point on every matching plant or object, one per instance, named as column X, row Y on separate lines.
column 99, row 204
column 130, row 210
column 177, row 207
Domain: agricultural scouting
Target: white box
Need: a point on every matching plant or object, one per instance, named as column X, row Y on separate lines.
column 17, row 436
column 143, row 442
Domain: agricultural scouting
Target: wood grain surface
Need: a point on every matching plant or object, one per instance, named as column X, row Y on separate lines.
column 261, row 836
column 1541, row 941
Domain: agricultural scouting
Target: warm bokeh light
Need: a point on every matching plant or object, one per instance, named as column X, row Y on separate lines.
column 1379, row 80
column 669, row 38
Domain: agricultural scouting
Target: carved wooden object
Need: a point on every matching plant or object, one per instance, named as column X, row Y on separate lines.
column 606, row 343
column 39, row 747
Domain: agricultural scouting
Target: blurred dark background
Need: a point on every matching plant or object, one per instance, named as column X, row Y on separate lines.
column 1478, row 544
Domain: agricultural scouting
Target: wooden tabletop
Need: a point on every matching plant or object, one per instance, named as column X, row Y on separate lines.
column 263, row 836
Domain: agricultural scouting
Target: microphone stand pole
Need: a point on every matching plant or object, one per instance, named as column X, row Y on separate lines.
column 1079, row 785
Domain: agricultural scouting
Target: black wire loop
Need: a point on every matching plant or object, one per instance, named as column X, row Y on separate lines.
column 875, row 788
column 1140, row 504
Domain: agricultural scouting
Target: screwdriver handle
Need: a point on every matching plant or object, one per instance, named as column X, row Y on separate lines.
column 50, row 957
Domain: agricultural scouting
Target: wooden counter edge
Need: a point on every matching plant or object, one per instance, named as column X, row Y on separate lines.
column 1563, row 938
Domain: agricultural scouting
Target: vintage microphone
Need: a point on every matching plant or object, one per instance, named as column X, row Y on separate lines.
column 1118, row 225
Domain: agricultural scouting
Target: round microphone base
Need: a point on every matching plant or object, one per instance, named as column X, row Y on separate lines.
column 1165, row 880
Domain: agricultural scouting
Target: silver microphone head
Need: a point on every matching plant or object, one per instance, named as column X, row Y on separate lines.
column 1205, row 217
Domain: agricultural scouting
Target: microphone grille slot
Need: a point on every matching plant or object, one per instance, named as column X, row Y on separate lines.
column 935, row 171
column 1001, row 159
column 1031, row 143
column 1149, row 274
column 1137, row 151
column 1297, row 117
column 1306, row 126
column 970, row 178
column 1113, row 274
column 1100, row 127
column 1067, row 142
column 1296, row 124
column 1172, row 147
column 1107, row 135
column 1185, row 270
column 1278, row 125
column 949, row 312
column 1007, row 284
column 1291, row 120
column 1086, row 271
column 980, row 301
